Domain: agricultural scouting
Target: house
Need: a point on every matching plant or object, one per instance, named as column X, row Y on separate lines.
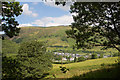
column 71, row 59
column 105, row 56
column 64, row 59
column 86, row 56
column 98, row 55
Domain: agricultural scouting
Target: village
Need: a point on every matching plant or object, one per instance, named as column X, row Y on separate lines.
column 77, row 56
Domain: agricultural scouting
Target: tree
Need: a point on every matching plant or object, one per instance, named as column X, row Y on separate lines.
column 10, row 65
column 34, row 59
column 95, row 21
column 101, row 55
column 11, row 68
column 68, row 58
column 81, row 59
column 94, row 56
column 10, row 10
column 75, row 59
column 9, row 47
column 58, row 57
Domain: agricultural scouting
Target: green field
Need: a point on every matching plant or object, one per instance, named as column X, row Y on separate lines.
column 78, row 68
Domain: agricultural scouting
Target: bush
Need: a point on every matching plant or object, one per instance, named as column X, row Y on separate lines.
column 81, row 59
column 57, row 57
column 75, row 59
column 101, row 55
column 116, row 54
column 94, row 56
column 103, row 64
column 34, row 59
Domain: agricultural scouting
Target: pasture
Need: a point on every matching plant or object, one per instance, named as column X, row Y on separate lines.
column 79, row 68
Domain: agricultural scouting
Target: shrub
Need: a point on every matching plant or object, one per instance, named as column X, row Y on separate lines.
column 81, row 59
column 94, row 56
column 116, row 54
column 101, row 55
column 103, row 64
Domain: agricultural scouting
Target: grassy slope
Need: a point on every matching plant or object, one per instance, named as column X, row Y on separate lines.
column 81, row 67
column 53, row 36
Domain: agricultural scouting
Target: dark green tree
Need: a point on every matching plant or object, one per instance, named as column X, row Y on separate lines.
column 11, row 68
column 81, row 59
column 94, row 56
column 75, row 59
column 34, row 59
column 68, row 58
column 57, row 57
column 10, row 10
column 95, row 21
column 10, row 64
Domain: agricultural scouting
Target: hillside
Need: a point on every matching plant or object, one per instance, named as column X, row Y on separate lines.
column 55, row 39
column 53, row 36
column 95, row 68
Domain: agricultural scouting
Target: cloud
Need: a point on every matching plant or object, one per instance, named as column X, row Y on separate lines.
column 35, row 3
column 54, row 21
column 27, row 11
column 52, row 4
column 24, row 25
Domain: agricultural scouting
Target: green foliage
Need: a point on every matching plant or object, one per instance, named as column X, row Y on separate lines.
column 95, row 21
column 10, row 10
column 57, row 57
column 94, row 56
column 81, row 59
column 64, row 38
column 10, row 68
column 75, row 59
column 116, row 54
column 64, row 69
column 101, row 55
column 34, row 59
column 68, row 58
column 9, row 47
column 103, row 64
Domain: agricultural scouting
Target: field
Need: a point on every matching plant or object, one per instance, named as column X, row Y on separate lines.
column 78, row 68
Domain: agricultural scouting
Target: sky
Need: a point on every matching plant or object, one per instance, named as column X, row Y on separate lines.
column 44, row 14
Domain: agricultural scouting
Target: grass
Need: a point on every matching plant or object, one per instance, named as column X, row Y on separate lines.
column 80, row 68
column 54, row 36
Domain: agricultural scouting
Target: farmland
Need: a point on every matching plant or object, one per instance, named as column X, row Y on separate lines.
column 76, row 69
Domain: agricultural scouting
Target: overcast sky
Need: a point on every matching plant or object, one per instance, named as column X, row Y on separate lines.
column 44, row 14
